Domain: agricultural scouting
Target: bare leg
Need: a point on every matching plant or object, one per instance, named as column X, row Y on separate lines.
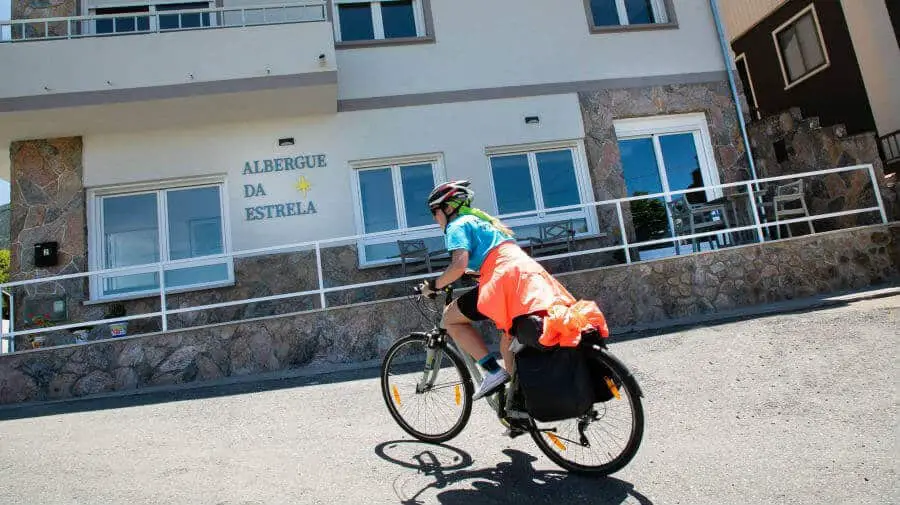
column 461, row 330
column 508, row 359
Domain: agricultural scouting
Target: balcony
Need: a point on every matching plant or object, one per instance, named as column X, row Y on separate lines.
column 95, row 74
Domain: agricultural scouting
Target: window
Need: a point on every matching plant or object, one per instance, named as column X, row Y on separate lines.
column 176, row 21
column 148, row 225
column 747, row 84
column 391, row 195
column 660, row 155
column 610, row 13
column 386, row 19
column 536, row 180
column 801, row 49
column 122, row 23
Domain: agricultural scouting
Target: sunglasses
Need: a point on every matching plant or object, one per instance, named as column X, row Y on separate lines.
column 434, row 210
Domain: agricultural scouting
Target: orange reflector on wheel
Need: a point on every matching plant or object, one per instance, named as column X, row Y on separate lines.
column 556, row 441
column 458, row 394
column 612, row 388
column 396, row 394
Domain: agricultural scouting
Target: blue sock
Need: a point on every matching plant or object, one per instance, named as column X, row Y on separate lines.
column 489, row 363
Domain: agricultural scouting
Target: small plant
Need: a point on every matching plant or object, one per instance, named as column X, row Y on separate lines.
column 39, row 321
column 115, row 310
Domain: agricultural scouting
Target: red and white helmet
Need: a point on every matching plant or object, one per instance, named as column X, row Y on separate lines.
column 457, row 192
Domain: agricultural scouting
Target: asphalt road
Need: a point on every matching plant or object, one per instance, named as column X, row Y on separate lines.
column 792, row 408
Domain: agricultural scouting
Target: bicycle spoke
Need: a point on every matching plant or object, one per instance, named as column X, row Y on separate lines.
column 440, row 408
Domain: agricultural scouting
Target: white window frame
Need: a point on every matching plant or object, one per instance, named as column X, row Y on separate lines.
column 437, row 169
column 377, row 22
column 815, row 17
column 582, row 178
column 655, row 126
column 96, row 251
column 660, row 14
column 743, row 56
column 89, row 27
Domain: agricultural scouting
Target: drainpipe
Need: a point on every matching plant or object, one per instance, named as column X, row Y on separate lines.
column 726, row 54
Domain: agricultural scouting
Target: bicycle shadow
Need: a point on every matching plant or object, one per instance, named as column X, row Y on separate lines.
column 514, row 482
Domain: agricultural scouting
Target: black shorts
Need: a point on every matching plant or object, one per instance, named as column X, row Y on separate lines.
column 468, row 305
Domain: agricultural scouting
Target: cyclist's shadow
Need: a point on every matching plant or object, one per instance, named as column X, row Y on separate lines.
column 515, row 481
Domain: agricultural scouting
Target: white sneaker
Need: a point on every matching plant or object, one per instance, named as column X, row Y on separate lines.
column 491, row 382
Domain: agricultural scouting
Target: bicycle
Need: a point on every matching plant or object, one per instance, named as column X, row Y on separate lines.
column 407, row 353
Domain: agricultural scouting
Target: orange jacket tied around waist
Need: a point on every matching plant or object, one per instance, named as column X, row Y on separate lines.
column 514, row 284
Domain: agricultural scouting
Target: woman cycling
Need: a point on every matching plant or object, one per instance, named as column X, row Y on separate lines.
column 511, row 283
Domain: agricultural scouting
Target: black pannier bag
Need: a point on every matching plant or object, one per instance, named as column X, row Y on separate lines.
column 556, row 384
column 599, row 373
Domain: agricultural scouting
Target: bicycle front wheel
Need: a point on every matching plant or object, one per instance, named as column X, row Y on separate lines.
column 605, row 439
column 431, row 405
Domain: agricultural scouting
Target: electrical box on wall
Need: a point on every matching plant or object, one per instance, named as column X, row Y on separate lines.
column 45, row 254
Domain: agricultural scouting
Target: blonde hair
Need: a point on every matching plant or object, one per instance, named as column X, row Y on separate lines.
column 484, row 216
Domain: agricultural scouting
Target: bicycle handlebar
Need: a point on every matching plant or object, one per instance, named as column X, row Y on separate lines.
column 448, row 290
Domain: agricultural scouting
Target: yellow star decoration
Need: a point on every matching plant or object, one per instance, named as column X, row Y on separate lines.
column 303, row 185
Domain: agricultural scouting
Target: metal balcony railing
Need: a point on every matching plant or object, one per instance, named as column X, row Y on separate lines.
column 757, row 222
column 24, row 30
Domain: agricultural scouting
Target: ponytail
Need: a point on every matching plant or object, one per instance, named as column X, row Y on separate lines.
column 484, row 216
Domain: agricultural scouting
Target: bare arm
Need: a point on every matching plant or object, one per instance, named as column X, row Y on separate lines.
column 458, row 262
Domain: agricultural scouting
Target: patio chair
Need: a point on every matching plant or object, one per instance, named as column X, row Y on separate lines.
column 789, row 203
column 554, row 238
column 416, row 258
column 698, row 218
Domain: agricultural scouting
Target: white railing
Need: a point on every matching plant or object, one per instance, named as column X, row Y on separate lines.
column 23, row 30
column 759, row 224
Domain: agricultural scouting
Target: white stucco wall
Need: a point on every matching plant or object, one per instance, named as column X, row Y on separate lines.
column 159, row 59
column 459, row 131
column 511, row 43
column 878, row 56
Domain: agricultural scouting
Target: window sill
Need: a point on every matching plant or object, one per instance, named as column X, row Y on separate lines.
column 633, row 28
column 806, row 76
column 155, row 295
column 404, row 41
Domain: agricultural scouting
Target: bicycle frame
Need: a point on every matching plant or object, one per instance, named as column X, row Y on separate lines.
column 439, row 340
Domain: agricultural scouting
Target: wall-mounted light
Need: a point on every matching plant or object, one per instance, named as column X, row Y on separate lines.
column 532, row 120
column 287, row 141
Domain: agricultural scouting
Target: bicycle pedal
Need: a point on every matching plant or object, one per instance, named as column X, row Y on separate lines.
column 514, row 428
column 513, row 432
column 516, row 414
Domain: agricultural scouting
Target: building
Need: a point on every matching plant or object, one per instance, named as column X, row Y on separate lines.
column 279, row 154
column 338, row 121
column 837, row 60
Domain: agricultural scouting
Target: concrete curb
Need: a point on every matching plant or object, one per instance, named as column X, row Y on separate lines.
column 618, row 335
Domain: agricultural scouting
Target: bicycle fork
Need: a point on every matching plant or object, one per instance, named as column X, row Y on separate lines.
column 433, row 358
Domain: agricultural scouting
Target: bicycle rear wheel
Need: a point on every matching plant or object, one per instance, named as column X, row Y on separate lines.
column 432, row 406
column 605, row 439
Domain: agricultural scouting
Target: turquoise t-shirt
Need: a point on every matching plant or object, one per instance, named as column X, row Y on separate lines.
column 474, row 235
